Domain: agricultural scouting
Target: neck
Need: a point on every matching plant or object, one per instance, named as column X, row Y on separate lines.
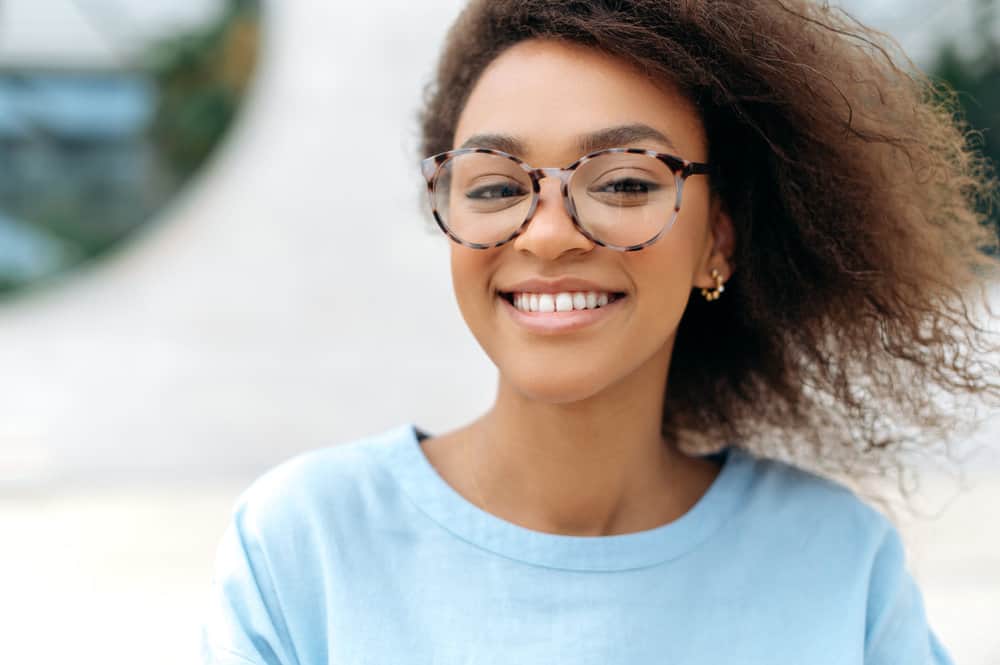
column 594, row 467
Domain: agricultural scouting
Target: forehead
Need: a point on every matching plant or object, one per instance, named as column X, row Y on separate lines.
column 548, row 93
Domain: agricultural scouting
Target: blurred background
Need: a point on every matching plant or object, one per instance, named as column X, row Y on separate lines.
column 195, row 286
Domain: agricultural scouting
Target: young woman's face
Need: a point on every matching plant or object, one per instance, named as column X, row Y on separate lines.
column 550, row 98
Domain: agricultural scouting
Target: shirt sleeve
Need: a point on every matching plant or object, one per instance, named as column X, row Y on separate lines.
column 896, row 627
column 243, row 624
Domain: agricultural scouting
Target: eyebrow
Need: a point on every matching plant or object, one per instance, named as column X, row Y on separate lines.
column 610, row 137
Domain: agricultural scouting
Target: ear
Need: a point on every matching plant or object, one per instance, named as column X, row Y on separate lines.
column 719, row 247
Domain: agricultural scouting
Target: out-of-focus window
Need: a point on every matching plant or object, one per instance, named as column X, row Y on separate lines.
column 107, row 107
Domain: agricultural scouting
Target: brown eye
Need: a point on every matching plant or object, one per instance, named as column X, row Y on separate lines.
column 496, row 191
column 625, row 186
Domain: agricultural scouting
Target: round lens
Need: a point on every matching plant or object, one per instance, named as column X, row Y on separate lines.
column 624, row 199
column 482, row 198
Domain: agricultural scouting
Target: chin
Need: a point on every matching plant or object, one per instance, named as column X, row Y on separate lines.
column 553, row 385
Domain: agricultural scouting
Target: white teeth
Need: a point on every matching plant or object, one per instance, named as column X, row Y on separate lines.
column 564, row 301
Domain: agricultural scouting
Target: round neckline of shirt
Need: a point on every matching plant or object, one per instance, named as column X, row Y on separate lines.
column 406, row 461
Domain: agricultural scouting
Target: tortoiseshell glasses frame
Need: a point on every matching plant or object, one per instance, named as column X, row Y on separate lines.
column 681, row 168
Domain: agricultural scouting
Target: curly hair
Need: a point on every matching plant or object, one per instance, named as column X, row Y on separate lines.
column 849, row 336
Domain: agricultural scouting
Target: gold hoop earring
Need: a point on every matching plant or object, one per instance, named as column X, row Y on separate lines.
column 713, row 294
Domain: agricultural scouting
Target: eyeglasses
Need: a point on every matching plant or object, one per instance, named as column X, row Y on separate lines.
column 621, row 198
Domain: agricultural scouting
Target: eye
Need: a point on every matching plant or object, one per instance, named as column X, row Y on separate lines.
column 625, row 186
column 498, row 190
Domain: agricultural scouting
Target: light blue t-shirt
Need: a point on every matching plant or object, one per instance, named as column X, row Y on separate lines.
column 362, row 553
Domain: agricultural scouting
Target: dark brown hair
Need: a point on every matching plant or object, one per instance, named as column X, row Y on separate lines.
column 848, row 335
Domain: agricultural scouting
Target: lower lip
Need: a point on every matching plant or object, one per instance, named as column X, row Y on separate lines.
column 554, row 323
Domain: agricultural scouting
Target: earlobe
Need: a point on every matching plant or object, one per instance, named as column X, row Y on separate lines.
column 714, row 293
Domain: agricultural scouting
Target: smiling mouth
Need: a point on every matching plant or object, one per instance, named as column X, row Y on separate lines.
column 612, row 297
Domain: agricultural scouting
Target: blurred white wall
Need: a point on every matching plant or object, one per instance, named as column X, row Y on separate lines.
column 920, row 26
column 91, row 33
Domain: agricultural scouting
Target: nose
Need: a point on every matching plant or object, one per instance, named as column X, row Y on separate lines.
column 550, row 231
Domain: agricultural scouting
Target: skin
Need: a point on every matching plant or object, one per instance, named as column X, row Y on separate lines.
column 572, row 444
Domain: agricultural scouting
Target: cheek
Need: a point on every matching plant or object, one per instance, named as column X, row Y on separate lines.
column 664, row 275
column 470, row 269
column 663, row 289
column 669, row 265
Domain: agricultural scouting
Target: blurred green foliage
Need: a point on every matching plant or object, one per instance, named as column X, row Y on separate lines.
column 975, row 75
column 202, row 77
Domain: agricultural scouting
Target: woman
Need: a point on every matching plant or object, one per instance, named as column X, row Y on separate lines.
column 694, row 237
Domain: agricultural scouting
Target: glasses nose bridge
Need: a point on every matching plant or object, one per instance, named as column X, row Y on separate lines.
column 563, row 175
column 560, row 174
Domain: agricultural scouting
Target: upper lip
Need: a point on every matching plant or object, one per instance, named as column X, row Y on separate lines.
column 560, row 285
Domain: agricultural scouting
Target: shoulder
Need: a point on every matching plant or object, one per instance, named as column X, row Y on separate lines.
column 810, row 509
column 320, row 486
column 818, row 536
column 284, row 541
column 835, row 540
